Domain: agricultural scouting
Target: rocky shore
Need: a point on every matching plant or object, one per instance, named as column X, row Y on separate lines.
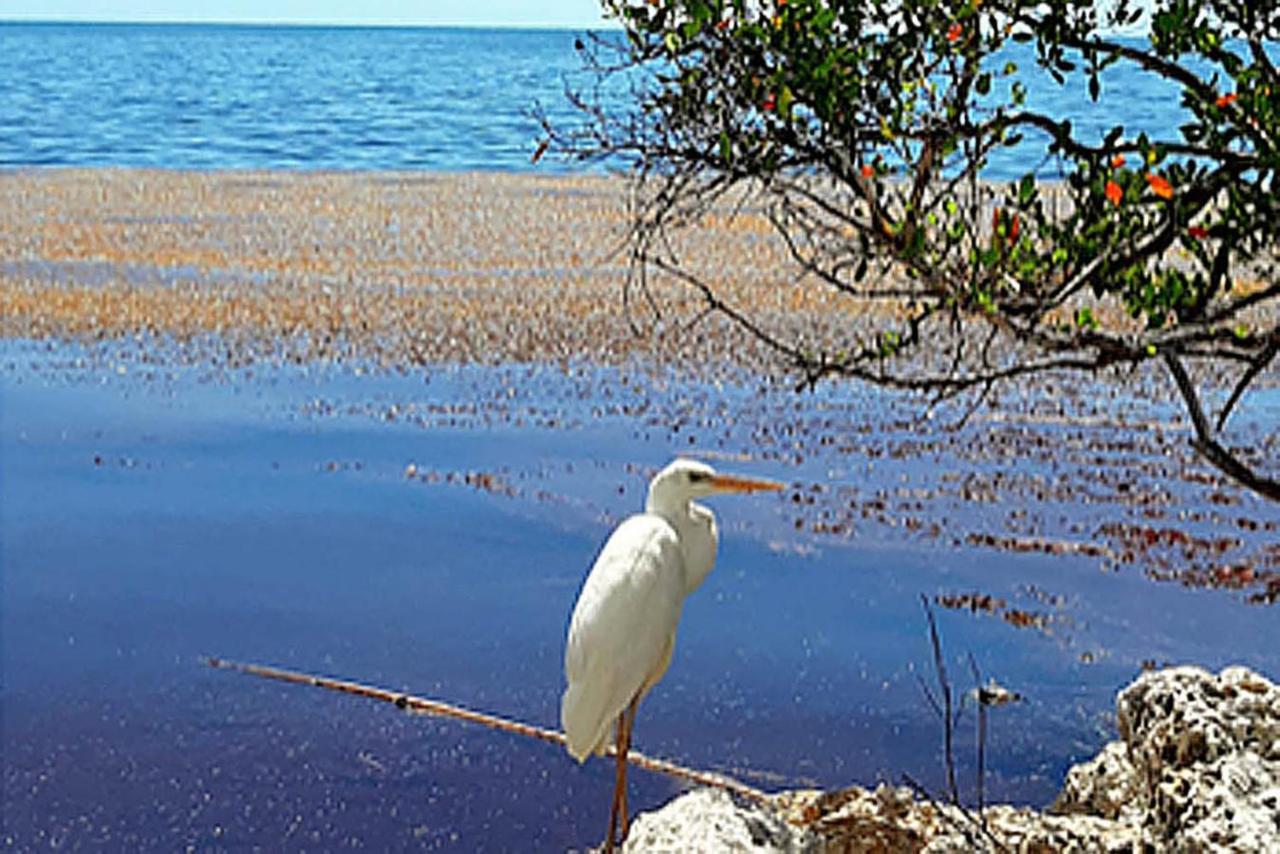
column 1196, row 767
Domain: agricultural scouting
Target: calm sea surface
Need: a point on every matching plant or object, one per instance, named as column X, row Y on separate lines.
column 219, row 97
column 222, row 97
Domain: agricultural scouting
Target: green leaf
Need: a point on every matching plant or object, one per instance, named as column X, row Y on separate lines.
column 786, row 98
column 1026, row 189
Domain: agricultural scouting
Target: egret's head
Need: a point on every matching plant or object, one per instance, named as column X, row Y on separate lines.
column 684, row 480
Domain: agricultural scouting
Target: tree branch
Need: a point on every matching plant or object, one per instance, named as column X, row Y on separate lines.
column 1062, row 136
column 1206, row 443
column 1258, row 366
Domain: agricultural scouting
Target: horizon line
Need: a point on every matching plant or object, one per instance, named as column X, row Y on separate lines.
column 335, row 23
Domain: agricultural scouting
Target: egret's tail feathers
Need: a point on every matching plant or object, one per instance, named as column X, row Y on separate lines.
column 585, row 722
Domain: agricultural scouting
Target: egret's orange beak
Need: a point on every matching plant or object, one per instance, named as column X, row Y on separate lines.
column 733, row 483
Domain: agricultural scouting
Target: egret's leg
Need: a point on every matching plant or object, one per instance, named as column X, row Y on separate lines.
column 619, row 783
column 630, row 720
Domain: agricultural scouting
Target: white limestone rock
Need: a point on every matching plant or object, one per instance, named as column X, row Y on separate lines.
column 708, row 820
column 1105, row 786
column 1197, row 766
column 1206, row 751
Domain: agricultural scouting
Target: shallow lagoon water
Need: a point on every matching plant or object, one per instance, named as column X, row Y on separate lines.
column 156, row 513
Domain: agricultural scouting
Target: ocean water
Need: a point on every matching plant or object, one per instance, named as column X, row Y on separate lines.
column 225, row 97
column 230, row 97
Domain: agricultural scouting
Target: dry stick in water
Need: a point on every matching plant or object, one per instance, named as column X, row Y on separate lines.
column 422, row 705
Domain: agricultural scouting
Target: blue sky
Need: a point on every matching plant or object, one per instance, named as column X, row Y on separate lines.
column 529, row 13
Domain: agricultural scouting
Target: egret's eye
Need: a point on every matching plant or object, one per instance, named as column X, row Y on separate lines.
column 698, row 476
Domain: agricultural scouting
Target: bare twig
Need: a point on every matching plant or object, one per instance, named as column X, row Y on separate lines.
column 944, row 689
column 982, row 734
column 943, row 710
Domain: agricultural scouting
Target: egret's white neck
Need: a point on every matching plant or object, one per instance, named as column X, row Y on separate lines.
column 661, row 502
column 695, row 527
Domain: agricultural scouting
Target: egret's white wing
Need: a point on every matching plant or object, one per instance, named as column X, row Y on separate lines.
column 622, row 628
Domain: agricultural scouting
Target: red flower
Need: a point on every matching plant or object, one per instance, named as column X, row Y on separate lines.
column 540, row 150
column 1199, row 232
column 1117, row 161
column 1160, row 186
column 722, row 25
column 1114, row 193
column 769, row 103
column 998, row 216
column 1226, row 100
column 954, row 32
column 868, row 170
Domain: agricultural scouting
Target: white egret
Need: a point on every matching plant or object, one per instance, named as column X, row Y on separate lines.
column 624, row 623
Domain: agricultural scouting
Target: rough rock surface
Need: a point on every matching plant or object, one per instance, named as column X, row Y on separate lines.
column 708, row 820
column 892, row 819
column 1198, row 763
column 1197, row 768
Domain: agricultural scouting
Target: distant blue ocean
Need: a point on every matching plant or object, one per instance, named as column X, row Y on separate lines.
column 221, row 97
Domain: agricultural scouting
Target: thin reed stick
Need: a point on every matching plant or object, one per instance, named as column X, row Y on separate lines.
column 439, row 708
